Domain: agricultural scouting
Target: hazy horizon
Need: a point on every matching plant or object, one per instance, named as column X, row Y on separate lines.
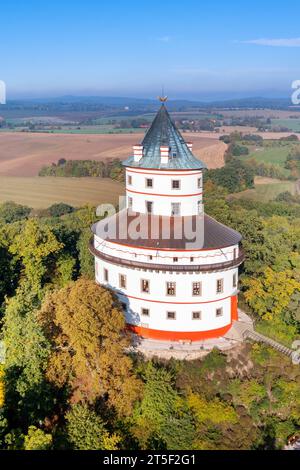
column 200, row 52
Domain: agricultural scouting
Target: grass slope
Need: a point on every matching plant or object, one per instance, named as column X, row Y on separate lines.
column 265, row 192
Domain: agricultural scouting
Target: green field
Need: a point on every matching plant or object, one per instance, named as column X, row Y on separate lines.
column 266, row 192
column 274, row 152
column 291, row 124
column 42, row 192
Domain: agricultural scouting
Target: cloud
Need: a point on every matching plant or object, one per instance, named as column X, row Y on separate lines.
column 164, row 39
column 283, row 42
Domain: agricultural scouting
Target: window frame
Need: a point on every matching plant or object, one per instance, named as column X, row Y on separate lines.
column 151, row 205
column 124, row 277
column 145, row 314
column 221, row 291
column 179, row 184
column 200, row 289
column 167, row 315
column 178, row 205
column 129, row 180
column 146, row 182
column 174, row 289
column 141, row 285
column 197, row 312
column 221, row 312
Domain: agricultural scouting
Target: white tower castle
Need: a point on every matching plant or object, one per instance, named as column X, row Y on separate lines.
column 173, row 287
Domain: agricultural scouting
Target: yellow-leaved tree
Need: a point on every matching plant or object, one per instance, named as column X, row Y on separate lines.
column 85, row 325
column 270, row 293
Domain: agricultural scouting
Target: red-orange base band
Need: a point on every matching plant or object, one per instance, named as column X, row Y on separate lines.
column 178, row 335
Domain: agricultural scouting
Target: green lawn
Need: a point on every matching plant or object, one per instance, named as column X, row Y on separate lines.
column 274, row 152
column 291, row 124
column 265, row 192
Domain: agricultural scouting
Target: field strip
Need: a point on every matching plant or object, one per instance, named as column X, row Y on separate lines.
column 42, row 192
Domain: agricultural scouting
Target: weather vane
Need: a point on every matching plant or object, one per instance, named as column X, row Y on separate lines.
column 163, row 98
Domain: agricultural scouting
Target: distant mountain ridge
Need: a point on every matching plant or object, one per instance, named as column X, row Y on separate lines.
column 111, row 101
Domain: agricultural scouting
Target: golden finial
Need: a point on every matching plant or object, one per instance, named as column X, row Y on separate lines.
column 162, row 99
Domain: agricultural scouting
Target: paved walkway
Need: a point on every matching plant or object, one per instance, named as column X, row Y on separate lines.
column 240, row 330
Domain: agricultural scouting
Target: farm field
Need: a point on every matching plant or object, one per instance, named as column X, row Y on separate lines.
column 266, row 189
column 42, row 192
column 264, row 113
column 24, row 153
column 292, row 124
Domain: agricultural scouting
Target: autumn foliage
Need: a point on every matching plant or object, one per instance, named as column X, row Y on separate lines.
column 85, row 326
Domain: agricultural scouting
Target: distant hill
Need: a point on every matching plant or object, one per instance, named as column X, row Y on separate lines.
column 111, row 101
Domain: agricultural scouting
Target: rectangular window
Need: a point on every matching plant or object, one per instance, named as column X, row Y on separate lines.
column 129, row 179
column 149, row 207
column 171, row 315
column 175, row 260
column 234, row 253
column 146, row 312
column 197, row 288
column 175, row 184
column 145, row 286
column 122, row 281
column 149, row 183
column 196, row 315
column 130, row 202
column 199, row 183
column 220, row 286
column 105, row 274
column 171, row 288
column 191, row 259
column 199, row 207
column 219, row 312
column 234, row 281
column 175, row 208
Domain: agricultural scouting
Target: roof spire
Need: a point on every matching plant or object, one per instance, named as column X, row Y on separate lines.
column 163, row 98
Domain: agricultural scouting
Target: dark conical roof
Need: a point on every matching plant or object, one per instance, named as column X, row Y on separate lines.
column 164, row 132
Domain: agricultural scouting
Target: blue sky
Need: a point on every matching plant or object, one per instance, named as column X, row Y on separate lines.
column 197, row 49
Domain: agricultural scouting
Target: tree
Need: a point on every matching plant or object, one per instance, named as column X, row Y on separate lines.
column 162, row 418
column 36, row 439
column 2, row 387
column 27, row 349
column 213, row 411
column 11, row 212
column 85, row 326
column 86, row 260
column 33, row 246
column 57, row 210
column 270, row 293
column 86, row 430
